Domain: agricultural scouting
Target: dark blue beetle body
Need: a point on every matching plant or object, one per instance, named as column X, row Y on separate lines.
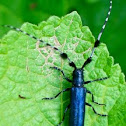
column 77, row 106
column 78, row 95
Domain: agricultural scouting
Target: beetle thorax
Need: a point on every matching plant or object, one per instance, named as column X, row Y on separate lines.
column 78, row 78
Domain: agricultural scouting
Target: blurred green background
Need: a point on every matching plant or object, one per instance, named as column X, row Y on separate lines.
column 92, row 12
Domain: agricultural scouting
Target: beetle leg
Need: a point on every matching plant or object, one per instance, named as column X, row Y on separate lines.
column 67, row 89
column 96, row 80
column 93, row 98
column 94, row 110
column 64, row 115
column 56, row 68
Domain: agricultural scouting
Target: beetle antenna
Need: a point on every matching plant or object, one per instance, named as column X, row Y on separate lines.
column 106, row 20
column 97, row 42
column 62, row 54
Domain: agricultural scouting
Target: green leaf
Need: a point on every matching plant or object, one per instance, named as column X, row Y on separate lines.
column 118, row 112
column 25, row 70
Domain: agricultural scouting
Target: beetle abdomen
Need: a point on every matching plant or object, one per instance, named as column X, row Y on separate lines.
column 77, row 106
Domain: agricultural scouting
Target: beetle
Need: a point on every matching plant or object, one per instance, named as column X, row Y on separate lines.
column 78, row 91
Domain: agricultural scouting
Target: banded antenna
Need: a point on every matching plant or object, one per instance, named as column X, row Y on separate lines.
column 97, row 42
column 62, row 54
column 104, row 25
